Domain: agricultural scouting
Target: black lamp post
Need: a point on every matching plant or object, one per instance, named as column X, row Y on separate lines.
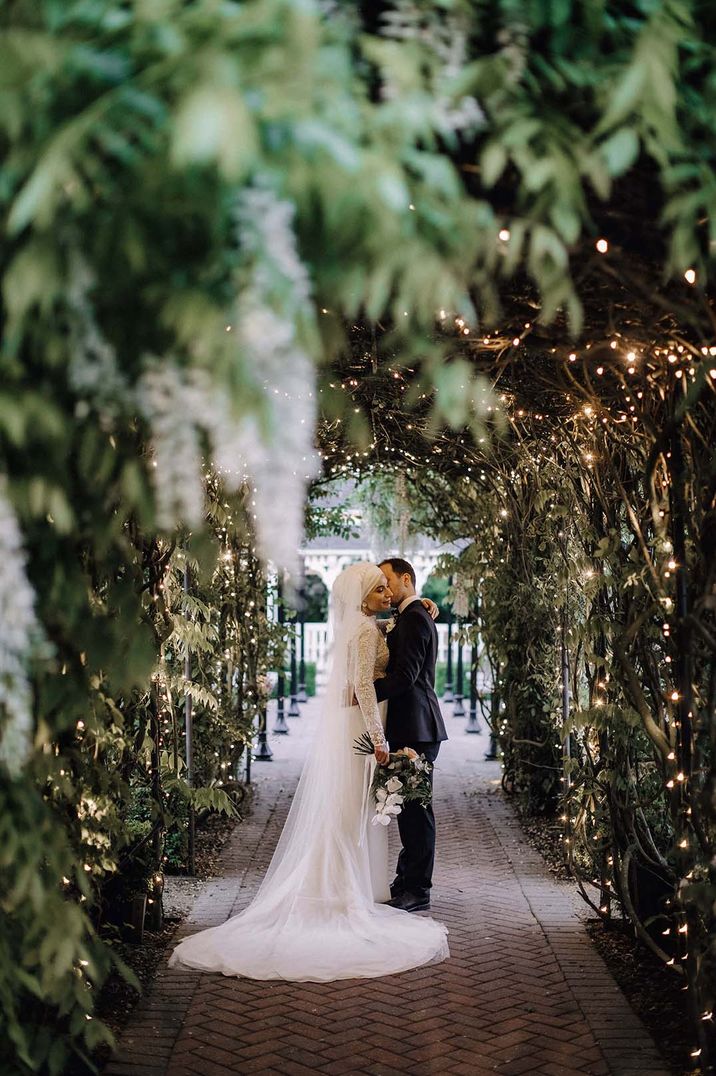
column 472, row 723
column 459, row 708
column 302, row 695
column 293, row 707
column 281, row 725
column 448, row 694
column 491, row 753
column 263, row 751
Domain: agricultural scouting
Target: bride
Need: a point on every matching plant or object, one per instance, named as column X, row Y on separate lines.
column 316, row 915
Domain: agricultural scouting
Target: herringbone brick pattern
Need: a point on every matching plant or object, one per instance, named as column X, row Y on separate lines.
column 523, row 992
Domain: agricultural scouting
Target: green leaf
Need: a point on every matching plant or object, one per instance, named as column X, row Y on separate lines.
column 36, row 197
column 493, row 163
column 213, row 124
column 32, row 279
column 621, row 150
column 625, row 97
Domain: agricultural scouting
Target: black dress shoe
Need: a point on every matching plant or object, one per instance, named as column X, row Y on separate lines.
column 410, row 902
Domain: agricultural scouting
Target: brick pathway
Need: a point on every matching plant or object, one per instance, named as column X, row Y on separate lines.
column 523, row 992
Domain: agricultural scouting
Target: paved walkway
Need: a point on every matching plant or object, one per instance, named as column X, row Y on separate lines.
column 523, row 992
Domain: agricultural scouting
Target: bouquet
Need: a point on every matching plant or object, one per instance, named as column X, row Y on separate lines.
column 404, row 778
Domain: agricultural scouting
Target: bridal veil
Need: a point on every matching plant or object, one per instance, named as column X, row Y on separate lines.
column 314, row 917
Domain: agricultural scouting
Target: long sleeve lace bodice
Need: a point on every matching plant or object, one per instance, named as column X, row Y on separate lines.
column 371, row 659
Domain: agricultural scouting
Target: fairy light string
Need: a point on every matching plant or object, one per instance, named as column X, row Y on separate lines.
column 607, row 399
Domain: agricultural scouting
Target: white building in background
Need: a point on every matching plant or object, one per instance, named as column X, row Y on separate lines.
column 327, row 557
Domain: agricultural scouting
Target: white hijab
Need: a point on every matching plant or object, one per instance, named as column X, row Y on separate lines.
column 345, row 621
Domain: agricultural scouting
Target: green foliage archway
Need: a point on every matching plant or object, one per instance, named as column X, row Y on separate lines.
column 198, row 200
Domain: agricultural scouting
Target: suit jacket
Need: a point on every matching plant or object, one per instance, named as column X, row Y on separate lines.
column 409, row 684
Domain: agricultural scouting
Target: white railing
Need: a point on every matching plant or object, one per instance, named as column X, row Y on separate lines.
column 316, row 646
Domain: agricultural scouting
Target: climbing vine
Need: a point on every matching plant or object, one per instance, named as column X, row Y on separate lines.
column 587, row 523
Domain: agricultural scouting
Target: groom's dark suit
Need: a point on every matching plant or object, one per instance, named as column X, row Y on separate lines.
column 414, row 720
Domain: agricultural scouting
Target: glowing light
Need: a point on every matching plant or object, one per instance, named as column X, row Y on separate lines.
column 504, row 234
column 690, row 276
column 602, row 246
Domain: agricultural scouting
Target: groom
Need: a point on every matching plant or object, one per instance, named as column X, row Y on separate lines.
column 414, row 720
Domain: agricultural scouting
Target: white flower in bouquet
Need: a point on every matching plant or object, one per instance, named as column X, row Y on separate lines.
column 392, row 790
column 381, row 819
column 388, row 805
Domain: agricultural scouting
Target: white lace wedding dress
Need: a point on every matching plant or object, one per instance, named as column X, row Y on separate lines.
column 315, row 916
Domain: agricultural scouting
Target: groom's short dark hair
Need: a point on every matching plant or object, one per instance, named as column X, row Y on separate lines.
column 400, row 567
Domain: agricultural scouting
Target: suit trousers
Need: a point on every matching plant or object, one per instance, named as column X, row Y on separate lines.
column 416, row 826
